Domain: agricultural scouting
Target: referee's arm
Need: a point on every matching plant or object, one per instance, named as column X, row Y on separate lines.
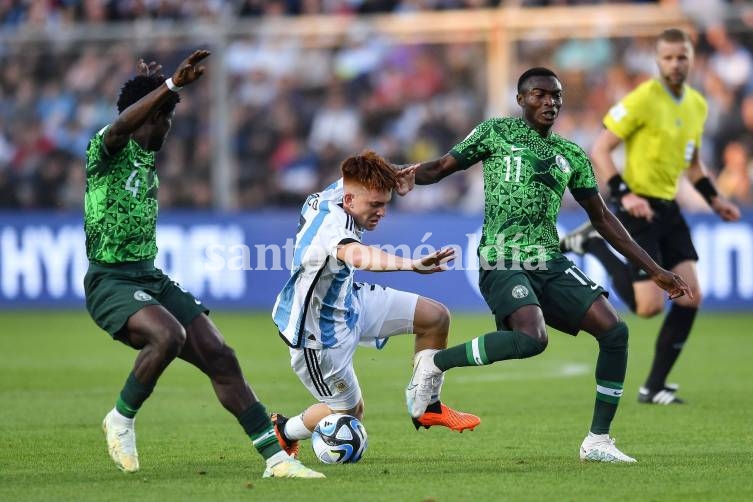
column 698, row 175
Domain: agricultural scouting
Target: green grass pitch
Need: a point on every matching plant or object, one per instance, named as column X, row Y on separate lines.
column 60, row 375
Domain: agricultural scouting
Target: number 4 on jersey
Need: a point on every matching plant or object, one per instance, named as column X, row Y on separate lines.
column 133, row 183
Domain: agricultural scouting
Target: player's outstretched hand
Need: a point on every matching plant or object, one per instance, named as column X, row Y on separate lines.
column 188, row 71
column 726, row 210
column 672, row 284
column 406, row 179
column 146, row 70
column 437, row 261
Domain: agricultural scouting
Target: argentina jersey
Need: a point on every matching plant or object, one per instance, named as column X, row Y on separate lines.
column 315, row 308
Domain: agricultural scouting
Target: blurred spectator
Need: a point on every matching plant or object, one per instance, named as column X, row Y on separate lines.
column 734, row 180
column 299, row 104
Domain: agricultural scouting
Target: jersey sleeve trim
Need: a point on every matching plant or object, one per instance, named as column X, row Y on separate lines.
column 462, row 159
column 583, row 193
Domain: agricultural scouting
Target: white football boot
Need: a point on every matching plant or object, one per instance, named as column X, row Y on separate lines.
column 601, row 448
column 291, row 468
column 121, row 441
column 424, row 383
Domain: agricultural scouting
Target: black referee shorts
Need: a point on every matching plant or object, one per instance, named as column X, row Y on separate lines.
column 666, row 238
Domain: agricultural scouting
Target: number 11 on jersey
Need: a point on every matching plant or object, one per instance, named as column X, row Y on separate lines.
column 509, row 161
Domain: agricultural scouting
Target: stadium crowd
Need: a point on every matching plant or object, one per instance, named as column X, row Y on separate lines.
column 295, row 110
column 20, row 12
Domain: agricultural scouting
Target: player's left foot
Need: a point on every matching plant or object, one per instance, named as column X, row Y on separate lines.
column 121, row 441
column 447, row 417
column 666, row 395
column 576, row 240
column 289, row 446
column 425, row 379
column 291, row 468
column 601, row 448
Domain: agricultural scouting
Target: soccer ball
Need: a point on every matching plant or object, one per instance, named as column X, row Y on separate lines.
column 339, row 439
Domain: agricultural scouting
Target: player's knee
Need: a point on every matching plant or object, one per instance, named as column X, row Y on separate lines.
column 432, row 317
column 441, row 318
column 532, row 344
column 170, row 340
column 687, row 301
column 615, row 339
column 649, row 309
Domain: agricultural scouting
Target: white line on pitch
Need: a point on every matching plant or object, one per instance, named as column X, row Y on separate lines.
column 566, row 370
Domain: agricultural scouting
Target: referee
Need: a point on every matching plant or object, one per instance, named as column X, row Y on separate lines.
column 661, row 123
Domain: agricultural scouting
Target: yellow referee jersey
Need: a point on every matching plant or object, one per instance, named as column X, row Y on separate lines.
column 660, row 134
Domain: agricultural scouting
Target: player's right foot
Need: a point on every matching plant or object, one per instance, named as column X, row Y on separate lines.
column 424, row 380
column 291, row 447
column 291, row 468
column 576, row 240
column 666, row 395
column 121, row 441
column 447, row 417
column 601, row 448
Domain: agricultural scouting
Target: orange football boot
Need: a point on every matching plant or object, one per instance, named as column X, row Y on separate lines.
column 290, row 447
column 452, row 419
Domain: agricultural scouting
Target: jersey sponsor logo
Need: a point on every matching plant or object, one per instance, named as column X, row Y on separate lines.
column 618, row 112
column 519, row 291
column 562, row 163
column 517, row 148
column 141, row 296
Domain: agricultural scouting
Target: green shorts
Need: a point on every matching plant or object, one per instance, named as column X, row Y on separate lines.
column 563, row 292
column 116, row 292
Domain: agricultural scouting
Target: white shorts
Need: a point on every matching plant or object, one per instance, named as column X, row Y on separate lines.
column 328, row 373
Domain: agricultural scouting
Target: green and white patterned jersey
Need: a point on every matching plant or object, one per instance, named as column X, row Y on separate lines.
column 120, row 205
column 525, row 176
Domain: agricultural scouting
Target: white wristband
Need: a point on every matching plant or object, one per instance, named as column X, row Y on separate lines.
column 170, row 85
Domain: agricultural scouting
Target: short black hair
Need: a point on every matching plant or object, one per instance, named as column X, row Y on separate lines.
column 538, row 71
column 141, row 85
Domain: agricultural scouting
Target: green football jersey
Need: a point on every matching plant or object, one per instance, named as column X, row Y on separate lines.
column 525, row 176
column 120, row 204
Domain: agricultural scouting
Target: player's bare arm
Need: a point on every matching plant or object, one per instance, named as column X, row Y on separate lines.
column 606, row 170
column 137, row 114
column 698, row 176
column 373, row 259
column 434, row 170
column 615, row 234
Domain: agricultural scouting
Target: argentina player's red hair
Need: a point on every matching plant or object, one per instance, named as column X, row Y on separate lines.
column 369, row 170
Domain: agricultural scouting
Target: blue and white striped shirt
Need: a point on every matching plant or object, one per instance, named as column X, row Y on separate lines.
column 315, row 308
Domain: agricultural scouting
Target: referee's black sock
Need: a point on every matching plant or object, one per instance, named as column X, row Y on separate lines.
column 618, row 271
column 672, row 336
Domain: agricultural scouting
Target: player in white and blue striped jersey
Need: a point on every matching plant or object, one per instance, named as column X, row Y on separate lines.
column 322, row 314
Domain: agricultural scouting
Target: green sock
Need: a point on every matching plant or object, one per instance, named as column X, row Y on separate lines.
column 132, row 396
column 610, row 375
column 489, row 348
column 258, row 426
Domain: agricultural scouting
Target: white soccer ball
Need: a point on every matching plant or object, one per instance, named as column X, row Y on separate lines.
column 339, row 439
